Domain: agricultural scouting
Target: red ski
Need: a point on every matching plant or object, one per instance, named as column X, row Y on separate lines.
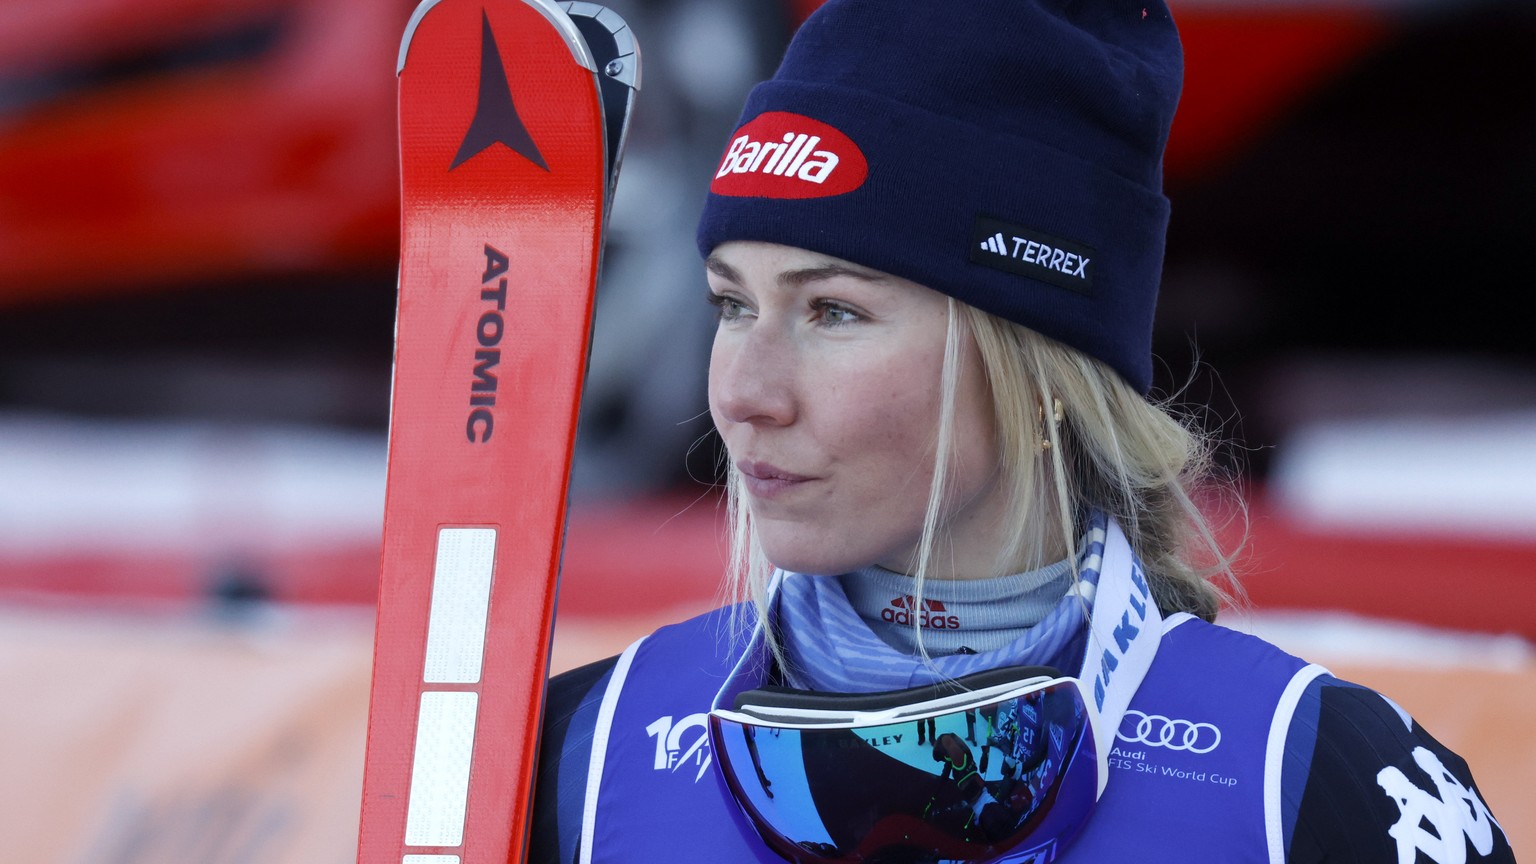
column 503, row 183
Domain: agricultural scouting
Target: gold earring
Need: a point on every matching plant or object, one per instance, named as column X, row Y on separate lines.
column 1057, row 415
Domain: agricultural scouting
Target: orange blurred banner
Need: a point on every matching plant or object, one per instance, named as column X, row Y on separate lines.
column 165, row 739
column 148, row 739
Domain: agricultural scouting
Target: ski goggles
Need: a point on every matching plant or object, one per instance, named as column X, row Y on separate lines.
column 999, row 766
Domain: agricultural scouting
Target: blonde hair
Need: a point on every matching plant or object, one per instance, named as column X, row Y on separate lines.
column 1114, row 452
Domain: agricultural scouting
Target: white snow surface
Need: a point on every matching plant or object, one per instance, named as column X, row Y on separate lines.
column 1465, row 476
column 1341, row 637
column 68, row 484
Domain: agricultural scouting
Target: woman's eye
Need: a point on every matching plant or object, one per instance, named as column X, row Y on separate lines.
column 730, row 308
column 834, row 314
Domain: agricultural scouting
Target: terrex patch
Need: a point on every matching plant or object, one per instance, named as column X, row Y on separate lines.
column 784, row 155
column 1017, row 249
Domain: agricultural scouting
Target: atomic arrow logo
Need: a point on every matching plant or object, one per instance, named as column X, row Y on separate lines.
column 496, row 120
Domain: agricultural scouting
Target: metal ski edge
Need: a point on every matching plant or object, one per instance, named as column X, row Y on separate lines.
column 628, row 48
column 618, row 53
column 548, row 8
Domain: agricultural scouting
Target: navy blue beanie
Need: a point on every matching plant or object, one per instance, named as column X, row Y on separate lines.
column 1007, row 153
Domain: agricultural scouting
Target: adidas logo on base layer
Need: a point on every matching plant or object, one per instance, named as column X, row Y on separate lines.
column 930, row 613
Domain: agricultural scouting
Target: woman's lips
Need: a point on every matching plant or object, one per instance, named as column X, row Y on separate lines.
column 764, row 480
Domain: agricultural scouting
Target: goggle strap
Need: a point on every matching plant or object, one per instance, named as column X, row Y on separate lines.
column 1123, row 634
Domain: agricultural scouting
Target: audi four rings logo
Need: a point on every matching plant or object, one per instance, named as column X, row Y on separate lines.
column 1155, row 730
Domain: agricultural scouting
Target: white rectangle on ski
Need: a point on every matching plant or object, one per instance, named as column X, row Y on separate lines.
column 445, row 740
column 461, row 597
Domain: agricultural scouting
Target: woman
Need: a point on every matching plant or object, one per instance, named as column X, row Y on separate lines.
column 934, row 242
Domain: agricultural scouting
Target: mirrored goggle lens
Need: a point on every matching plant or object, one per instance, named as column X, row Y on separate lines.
column 1010, row 780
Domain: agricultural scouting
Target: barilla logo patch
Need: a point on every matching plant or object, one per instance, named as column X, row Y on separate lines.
column 929, row 613
column 1016, row 249
column 784, row 155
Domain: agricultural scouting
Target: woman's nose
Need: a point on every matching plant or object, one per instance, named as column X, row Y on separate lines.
column 751, row 377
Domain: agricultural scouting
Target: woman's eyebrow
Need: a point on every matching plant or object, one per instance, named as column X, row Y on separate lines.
column 803, row 276
column 795, row 278
column 722, row 269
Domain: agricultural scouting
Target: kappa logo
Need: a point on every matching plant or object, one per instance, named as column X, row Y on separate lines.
column 783, row 155
column 495, row 120
column 1454, row 814
column 928, row 615
column 685, row 742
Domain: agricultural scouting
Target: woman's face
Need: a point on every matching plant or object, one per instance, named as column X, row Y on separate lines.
column 825, row 385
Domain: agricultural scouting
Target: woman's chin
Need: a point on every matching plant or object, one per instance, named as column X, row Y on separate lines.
column 817, row 565
column 798, row 559
column 823, row 550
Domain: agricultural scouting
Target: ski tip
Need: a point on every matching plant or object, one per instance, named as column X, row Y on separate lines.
column 625, row 64
column 551, row 11
column 417, row 14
